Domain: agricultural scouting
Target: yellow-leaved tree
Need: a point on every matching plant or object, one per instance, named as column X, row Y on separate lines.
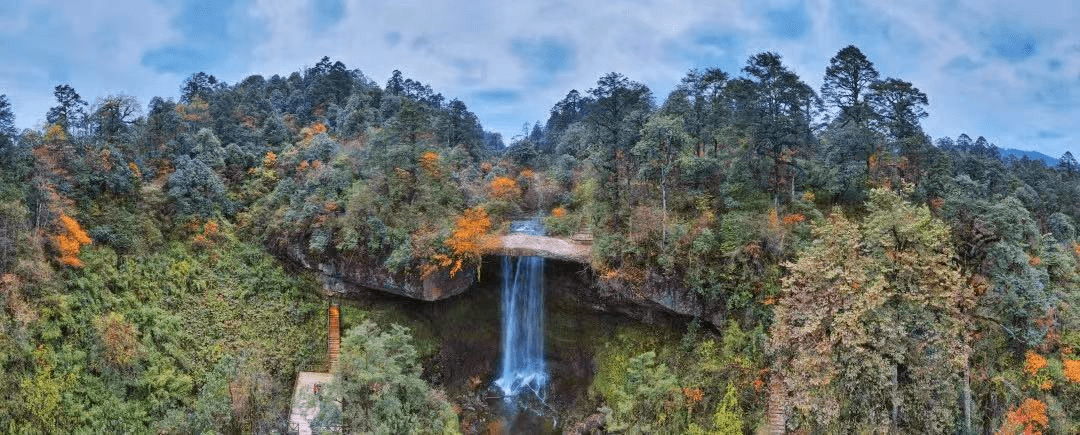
column 70, row 240
column 505, row 188
column 470, row 238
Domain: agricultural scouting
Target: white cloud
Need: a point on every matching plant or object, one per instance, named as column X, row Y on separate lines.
column 463, row 49
column 93, row 45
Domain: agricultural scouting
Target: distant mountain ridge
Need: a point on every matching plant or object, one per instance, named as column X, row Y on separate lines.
column 1033, row 155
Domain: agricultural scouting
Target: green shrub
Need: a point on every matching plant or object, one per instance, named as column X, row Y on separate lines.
column 381, row 389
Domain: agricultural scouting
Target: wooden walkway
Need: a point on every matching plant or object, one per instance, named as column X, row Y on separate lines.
column 776, row 418
column 333, row 337
column 311, row 386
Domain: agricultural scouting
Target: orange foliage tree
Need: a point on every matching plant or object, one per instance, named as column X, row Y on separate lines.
column 210, row 233
column 429, row 161
column 774, row 220
column 270, row 160
column 1028, row 419
column 135, row 172
column 55, row 133
column 1033, row 362
column 794, row 218
column 1072, row 370
column 197, row 111
column 119, row 337
column 70, row 240
column 504, row 188
column 470, row 237
column 312, row 131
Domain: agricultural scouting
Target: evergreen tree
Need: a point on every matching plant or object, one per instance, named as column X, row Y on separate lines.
column 848, row 81
column 1068, row 163
column 708, row 112
column 620, row 108
column 380, row 386
column 200, row 86
column 900, row 106
column 70, row 109
column 778, row 116
column 7, row 121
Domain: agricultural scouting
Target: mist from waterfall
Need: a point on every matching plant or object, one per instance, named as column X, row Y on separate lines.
column 523, row 368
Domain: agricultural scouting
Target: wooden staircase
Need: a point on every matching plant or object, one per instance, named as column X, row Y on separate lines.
column 333, row 342
column 776, row 419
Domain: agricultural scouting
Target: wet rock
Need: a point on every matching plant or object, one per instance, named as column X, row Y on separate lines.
column 591, row 425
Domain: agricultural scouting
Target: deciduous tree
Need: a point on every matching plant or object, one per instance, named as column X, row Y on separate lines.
column 70, row 240
column 470, row 238
column 868, row 332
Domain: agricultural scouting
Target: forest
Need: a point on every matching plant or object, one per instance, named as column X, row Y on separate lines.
column 848, row 273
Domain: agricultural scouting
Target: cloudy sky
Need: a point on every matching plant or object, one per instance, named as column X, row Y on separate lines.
column 1008, row 70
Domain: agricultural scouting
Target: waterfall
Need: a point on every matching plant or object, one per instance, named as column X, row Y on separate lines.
column 523, row 368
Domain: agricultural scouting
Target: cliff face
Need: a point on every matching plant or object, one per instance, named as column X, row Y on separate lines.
column 344, row 274
column 341, row 274
column 650, row 299
column 642, row 297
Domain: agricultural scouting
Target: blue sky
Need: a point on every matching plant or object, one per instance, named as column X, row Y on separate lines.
column 1006, row 70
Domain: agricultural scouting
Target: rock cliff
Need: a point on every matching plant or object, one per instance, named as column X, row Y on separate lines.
column 642, row 297
column 342, row 274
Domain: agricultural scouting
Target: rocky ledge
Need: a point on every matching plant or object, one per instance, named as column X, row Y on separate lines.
column 555, row 248
column 642, row 297
column 342, row 275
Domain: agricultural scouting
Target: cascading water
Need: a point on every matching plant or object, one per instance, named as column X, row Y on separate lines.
column 523, row 368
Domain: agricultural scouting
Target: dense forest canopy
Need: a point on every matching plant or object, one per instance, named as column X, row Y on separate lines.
column 871, row 277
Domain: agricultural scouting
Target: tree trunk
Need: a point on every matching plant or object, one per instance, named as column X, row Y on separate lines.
column 895, row 398
column 663, row 203
column 967, row 398
column 792, row 187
